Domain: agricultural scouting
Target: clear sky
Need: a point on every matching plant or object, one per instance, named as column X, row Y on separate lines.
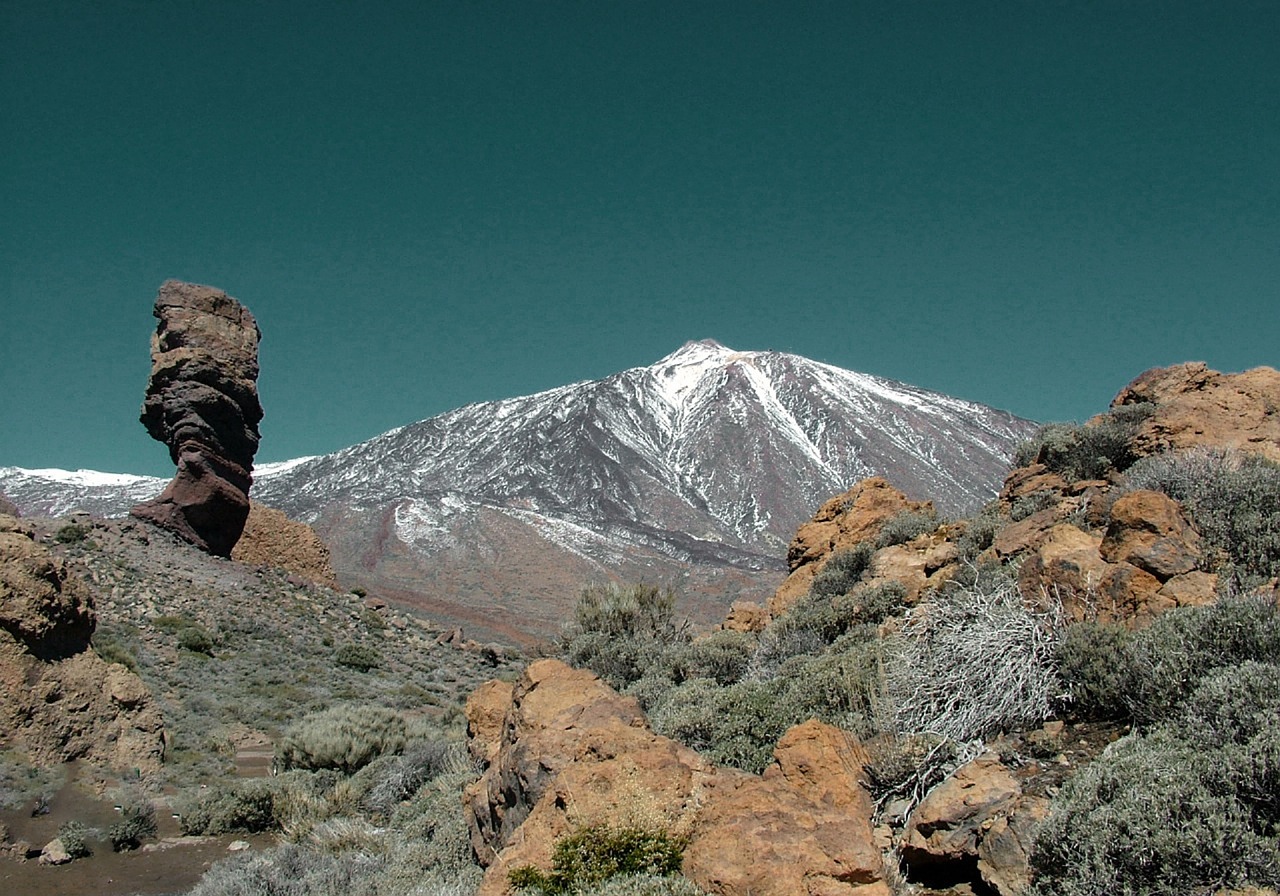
column 430, row 203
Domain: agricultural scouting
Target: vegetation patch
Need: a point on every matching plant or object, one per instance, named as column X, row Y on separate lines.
column 598, row 853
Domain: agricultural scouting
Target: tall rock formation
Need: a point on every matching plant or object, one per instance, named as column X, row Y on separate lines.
column 202, row 401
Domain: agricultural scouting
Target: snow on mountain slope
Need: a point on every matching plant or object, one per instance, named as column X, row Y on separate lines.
column 697, row 469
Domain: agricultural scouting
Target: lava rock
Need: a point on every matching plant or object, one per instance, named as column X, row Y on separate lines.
column 202, row 401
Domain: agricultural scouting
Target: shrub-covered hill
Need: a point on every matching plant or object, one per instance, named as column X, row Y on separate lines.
column 1073, row 692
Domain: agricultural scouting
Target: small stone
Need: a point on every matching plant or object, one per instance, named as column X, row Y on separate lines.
column 238, row 846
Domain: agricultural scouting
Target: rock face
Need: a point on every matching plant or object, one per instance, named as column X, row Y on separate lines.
column 569, row 751
column 842, row 522
column 272, row 539
column 1198, row 406
column 202, row 401
column 58, row 699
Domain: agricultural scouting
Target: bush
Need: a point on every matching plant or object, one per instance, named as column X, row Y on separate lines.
column 738, row 725
column 973, row 663
column 722, row 656
column 1092, row 661
column 842, row 571
column 75, row 839
column 620, row 632
column 598, row 853
column 358, row 657
column 195, row 639
column 1092, row 451
column 1166, row 661
column 113, row 650
column 72, row 533
column 1233, row 500
column 343, row 737
column 137, row 823
column 906, row 525
column 843, row 686
column 248, row 807
column 1153, row 815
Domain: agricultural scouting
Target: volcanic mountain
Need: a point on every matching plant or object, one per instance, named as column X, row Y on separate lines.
column 693, row 472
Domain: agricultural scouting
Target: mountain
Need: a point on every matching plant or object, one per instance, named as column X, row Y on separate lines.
column 695, row 472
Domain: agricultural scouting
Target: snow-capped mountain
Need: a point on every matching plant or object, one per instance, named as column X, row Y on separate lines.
column 696, row 471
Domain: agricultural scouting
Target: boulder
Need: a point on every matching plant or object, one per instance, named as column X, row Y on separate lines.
column 202, row 402
column 1194, row 405
column 950, row 822
column 1067, row 565
column 54, row 853
column 572, row 752
column 272, row 539
column 1149, row 530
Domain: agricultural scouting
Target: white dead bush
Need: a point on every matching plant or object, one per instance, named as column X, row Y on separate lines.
column 974, row 662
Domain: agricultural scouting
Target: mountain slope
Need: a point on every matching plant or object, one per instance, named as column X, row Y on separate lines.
column 694, row 471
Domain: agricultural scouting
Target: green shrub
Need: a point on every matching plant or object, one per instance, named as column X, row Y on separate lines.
column 1153, row 815
column 843, row 570
column 343, row 737
column 1166, row 661
column 1093, row 664
column 248, row 807
column 738, row 725
column 906, row 525
column 1233, row 499
column 843, row 686
column 1092, row 451
column 722, row 656
column 645, row 885
column 72, row 533
column 980, row 532
column 973, row 663
column 113, row 650
column 137, row 823
column 620, row 632
column 75, row 839
column 360, row 657
column 598, row 853
column 195, row 639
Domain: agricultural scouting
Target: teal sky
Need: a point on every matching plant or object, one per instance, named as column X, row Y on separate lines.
column 432, row 203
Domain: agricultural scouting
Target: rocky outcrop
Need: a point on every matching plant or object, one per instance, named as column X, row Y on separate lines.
column 58, row 699
column 1196, row 406
column 571, row 752
column 7, row 507
column 202, row 401
column 842, row 522
column 976, row 819
column 272, row 539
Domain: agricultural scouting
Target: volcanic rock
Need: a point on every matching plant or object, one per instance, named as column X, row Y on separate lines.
column 1149, row 530
column 840, row 523
column 59, row 700
column 572, row 752
column 272, row 539
column 202, row 401
column 1198, row 406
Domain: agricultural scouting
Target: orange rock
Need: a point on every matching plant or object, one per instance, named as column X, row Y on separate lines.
column 573, row 752
column 948, row 825
column 272, row 539
column 486, row 712
column 841, row 523
column 1067, row 565
column 1149, row 530
column 1198, row 406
